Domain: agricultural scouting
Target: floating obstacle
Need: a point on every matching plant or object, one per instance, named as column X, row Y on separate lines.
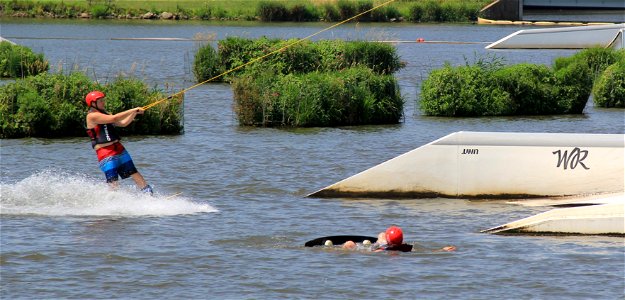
column 495, row 165
column 604, row 216
column 579, row 37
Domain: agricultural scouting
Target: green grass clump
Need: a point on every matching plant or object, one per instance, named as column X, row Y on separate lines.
column 597, row 59
column 18, row 61
column 53, row 105
column 492, row 89
column 530, row 88
column 206, row 63
column 272, row 11
column 445, row 11
column 236, row 51
column 463, row 91
column 303, row 57
column 609, row 89
column 45, row 105
column 573, row 87
column 355, row 96
column 100, row 11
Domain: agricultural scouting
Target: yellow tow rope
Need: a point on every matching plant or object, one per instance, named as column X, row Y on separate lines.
column 268, row 54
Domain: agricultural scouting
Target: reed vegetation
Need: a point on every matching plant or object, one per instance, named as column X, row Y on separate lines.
column 355, row 96
column 206, row 63
column 430, row 11
column 604, row 65
column 490, row 88
column 18, row 61
column 250, row 10
column 597, row 59
column 609, row 89
column 304, row 57
column 53, row 105
column 323, row 83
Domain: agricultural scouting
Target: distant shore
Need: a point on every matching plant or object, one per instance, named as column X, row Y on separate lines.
column 445, row 11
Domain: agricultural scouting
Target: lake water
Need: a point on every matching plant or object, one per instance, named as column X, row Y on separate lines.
column 238, row 228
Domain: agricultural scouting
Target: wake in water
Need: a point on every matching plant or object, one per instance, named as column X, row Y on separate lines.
column 52, row 194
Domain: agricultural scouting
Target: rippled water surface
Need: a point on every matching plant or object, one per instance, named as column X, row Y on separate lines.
column 231, row 217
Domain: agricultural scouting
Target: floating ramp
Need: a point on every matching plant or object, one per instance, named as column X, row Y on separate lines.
column 573, row 201
column 578, row 37
column 495, row 165
column 603, row 218
column 5, row 40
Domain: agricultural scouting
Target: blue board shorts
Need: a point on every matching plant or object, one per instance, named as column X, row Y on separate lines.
column 115, row 162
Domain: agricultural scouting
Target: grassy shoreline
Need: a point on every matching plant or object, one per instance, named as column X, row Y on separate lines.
column 248, row 10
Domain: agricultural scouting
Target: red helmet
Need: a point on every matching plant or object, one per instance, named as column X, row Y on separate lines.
column 394, row 236
column 93, row 97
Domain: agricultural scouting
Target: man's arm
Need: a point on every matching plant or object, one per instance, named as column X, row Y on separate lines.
column 130, row 117
column 121, row 119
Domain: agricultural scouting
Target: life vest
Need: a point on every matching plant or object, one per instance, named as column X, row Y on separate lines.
column 102, row 133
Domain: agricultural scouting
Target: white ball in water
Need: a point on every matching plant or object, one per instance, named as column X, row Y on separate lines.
column 366, row 242
column 328, row 243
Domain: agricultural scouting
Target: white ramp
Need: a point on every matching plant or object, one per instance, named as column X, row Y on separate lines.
column 601, row 219
column 578, row 37
column 495, row 165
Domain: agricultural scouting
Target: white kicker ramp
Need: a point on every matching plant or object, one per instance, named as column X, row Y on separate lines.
column 495, row 165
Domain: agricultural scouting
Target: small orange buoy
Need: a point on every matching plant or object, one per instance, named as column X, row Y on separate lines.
column 420, row 40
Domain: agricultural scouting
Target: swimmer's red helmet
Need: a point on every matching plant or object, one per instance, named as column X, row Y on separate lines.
column 93, row 97
column 394, row 236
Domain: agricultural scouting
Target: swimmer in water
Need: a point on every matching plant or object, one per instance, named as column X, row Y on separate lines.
column 391, row 240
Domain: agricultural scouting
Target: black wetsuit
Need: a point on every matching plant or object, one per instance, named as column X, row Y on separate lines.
column 402, row 247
